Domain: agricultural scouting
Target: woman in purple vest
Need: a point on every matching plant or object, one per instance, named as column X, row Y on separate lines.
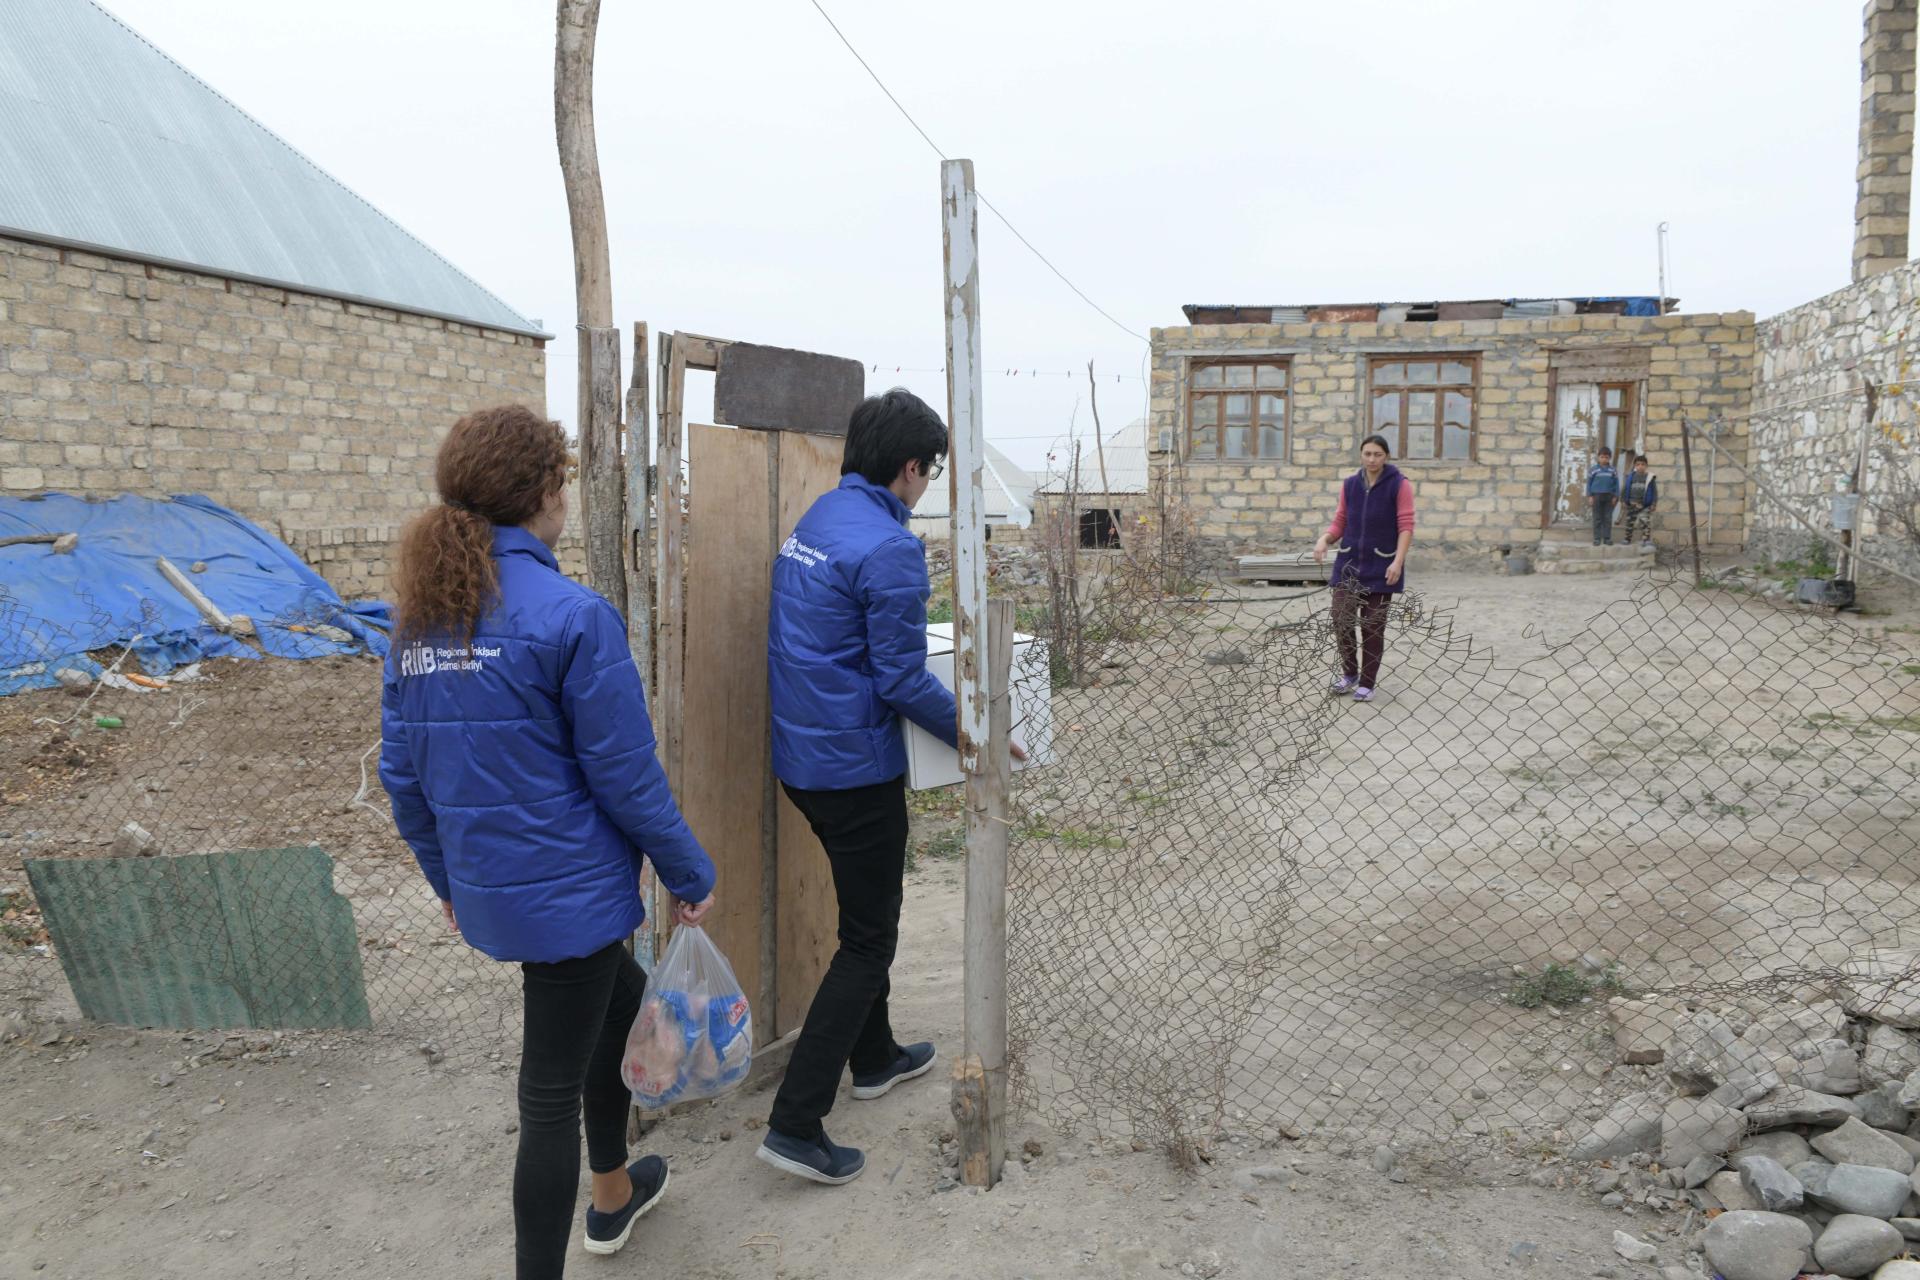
column 1371, row 530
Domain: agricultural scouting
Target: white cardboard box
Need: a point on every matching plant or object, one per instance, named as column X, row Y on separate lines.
column 932, row 763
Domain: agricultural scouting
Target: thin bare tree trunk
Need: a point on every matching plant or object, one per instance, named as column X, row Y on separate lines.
column 1100, row 451
column 602, row 490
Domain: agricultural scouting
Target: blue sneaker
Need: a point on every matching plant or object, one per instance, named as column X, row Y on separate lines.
column 817, row 1161
column 606, row 1232
column 913, row 1061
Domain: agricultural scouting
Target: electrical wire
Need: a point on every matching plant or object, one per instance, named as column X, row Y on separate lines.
column 1005, row 221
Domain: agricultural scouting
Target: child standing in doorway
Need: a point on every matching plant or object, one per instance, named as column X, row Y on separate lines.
column 1603, row 490
column 1639, row 494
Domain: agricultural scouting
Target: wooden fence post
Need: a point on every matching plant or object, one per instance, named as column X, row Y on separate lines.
column 1693, row 520
column 979, row 1099
column 602, row 506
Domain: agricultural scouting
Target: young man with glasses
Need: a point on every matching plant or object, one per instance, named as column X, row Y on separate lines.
column 847, row 658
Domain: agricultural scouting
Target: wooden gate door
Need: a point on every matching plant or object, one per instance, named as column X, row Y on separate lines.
column 729, row 495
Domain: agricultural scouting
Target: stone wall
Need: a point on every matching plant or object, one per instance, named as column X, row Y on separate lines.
column 1699, row 366
column 1810, row 415
column 1885, row 168
column 315, row 417
column 358, row 561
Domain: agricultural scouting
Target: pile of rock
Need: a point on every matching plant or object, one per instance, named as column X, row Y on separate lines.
column 1011, row 569
column 1795, row 1128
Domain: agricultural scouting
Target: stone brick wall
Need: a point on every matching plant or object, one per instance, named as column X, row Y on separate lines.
column 318, row 418
column 1810, row 414
column 358, row 561
column 1885, row 168
column 1700, row 366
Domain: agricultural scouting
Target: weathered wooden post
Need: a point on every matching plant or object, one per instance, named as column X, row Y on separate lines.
column 983, row 645
column 1693, row 520
column 602, row 505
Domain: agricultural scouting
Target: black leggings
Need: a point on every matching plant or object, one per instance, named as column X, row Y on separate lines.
column 1369, row 609
column 577, row 1015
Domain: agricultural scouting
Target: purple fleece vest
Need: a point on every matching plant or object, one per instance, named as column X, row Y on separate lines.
column 1368, row 542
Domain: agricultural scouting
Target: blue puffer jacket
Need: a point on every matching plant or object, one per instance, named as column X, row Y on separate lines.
column 522, row 769
column 847, row 643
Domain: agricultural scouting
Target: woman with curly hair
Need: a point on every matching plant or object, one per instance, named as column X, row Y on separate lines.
column 517, row 751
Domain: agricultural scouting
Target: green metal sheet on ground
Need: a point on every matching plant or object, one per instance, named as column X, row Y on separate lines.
column 254, row 938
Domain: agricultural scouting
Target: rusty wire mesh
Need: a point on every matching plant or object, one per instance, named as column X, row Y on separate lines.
column 226, row 756
column 1682, row 834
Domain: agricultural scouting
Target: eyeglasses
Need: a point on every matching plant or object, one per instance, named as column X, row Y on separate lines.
column 933, row 470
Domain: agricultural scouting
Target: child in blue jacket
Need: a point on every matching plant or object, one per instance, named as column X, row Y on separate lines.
column 1603, row 491
column 517, row 752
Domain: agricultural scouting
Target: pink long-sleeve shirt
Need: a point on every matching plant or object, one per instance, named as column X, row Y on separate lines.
column 1404, row 511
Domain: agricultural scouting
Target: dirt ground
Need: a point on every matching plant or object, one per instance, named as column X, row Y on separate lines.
column 1685, row 790
column 149, row 1153
column 170, row 1155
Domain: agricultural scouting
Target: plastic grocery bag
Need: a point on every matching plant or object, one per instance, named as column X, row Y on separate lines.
column 694, row 1035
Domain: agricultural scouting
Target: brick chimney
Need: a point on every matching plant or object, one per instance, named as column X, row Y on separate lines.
column 1886, row 137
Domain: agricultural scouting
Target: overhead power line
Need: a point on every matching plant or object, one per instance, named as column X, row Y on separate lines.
column 1005, row 221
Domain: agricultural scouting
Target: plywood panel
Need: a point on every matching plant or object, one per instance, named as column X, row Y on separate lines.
column 808, row 918
column 729, row 551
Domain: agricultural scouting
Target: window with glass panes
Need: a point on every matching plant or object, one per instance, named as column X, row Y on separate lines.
column 1616, row 422
column 1423, row 405
column 1237, row 409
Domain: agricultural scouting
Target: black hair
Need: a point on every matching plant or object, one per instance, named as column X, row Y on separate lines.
column 1639, row 457
column 1379, row 440
column 1604, row 452
column 886, row 432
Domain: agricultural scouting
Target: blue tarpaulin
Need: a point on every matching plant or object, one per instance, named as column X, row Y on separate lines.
column 55, row 608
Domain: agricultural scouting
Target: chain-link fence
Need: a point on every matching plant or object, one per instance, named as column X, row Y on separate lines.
column 1625, row 886
column 1648, row 860
column 131, row 754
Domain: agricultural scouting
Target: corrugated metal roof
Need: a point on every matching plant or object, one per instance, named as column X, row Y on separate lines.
column 1007, row 488
column 1295, row 313
column 1126, row 454
column 108, row 144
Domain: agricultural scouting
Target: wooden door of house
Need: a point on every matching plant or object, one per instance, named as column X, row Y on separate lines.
column 1589, row 416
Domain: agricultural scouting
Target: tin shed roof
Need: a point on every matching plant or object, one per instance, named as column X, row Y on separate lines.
column 1007, row 488
column 1126, row 455
column 108, row 144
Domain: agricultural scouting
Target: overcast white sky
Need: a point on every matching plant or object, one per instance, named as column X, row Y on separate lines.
column 1253, row 151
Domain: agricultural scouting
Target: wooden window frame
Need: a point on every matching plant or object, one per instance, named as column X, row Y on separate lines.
column 1193, row 396
column 1627, row 418
column 1469, row 358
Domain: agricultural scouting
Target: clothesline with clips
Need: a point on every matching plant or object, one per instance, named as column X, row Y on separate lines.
column 1010, row 373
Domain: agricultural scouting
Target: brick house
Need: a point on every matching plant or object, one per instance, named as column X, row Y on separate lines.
column 1494, row 410
column 194, row 307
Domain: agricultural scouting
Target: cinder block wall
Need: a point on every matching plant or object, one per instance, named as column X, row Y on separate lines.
column 315, row 417
column 1810, row 412
column 1697, row 366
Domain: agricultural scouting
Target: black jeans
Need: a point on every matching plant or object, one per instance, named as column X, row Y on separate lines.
column 864, row 831
column 1368, row 610
column 577, row 1015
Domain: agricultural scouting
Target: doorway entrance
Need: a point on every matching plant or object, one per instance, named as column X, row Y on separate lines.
column 1590, row 416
